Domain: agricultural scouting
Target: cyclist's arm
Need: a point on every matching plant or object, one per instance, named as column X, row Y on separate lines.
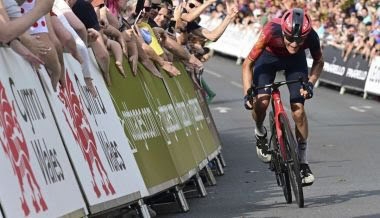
column 247, row 73
column 316, row 70
column 318, row 62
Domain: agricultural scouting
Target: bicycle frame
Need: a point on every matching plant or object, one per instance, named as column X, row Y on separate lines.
column 278, row 109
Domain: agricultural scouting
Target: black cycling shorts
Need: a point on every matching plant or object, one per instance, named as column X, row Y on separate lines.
column 267, row 65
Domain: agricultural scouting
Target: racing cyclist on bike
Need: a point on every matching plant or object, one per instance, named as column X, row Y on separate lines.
column 281, row 46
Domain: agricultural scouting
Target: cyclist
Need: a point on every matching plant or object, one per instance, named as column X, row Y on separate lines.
column 281, row 46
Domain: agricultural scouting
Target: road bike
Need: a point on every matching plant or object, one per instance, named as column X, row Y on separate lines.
column 283, row 146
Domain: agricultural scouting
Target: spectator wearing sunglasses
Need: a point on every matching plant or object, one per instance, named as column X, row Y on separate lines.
column 281, row 46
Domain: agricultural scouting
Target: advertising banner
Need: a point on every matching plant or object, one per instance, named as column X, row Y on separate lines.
column 372, row 84
column 99, row 151
column 177, row 130
column 37, row 179
column 144, row 133
column 194, row 103
column 334, row 68
column 180, row 100
column 356, row 73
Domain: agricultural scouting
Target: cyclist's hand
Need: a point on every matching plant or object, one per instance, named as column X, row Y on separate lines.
column 249, row 99
column 307, row 90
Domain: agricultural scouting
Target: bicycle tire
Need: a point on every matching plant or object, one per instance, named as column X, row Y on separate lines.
column 292, row 160
column 282, row 176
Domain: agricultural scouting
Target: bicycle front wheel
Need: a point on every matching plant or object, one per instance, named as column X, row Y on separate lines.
column 282, row 174
column 292, row 161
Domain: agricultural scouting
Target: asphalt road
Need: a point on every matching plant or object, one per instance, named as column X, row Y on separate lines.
column 344, row 154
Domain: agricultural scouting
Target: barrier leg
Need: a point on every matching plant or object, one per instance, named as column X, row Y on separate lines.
column 342, row 90
column 209, row 176
column 200, row 186
column 221, row 159
column 143, row 210
column 180, row 198
column 238, row 61
column 219, row 166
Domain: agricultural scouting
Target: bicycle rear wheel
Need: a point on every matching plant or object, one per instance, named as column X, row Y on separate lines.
column 281, row 171
column 292, row 160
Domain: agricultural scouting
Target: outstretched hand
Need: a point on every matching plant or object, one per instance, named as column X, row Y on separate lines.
column 232, row 10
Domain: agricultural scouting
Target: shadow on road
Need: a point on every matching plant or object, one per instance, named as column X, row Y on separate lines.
column 326, row 200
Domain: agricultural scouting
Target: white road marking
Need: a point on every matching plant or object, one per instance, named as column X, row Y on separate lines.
column 222, row 110
column 361, row 109
column 213, row 73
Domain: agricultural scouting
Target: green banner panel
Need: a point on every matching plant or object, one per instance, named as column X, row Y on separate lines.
column 201, row 116
column 180, row 101
column 169, row 122
column 141, row 127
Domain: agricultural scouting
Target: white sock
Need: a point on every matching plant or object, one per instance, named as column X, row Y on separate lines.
column 260, row 130
column 302, row 148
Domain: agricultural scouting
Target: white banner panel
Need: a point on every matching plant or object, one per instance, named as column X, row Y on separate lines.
column 372, row 84
column 36, row 176
column 95, row 140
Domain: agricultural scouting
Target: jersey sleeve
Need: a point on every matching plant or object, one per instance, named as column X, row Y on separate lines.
column 260, row 44
column 314, row 45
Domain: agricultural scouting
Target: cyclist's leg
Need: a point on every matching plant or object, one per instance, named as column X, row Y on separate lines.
column 297, row 67
column 264, row 73
column 293, row 72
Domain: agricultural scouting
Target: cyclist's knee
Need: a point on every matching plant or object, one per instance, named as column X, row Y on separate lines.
column 262, row 101
column 298, row 112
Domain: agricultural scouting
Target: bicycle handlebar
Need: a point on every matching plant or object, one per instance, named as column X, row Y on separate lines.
column 276, row 85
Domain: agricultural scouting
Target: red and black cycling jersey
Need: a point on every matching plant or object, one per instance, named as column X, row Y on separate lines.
column 271, row 39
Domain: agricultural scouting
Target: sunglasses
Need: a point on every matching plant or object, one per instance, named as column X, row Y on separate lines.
column 291, row 39
column 191, row 5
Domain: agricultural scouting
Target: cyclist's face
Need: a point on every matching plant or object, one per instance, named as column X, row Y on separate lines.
column 293, row 45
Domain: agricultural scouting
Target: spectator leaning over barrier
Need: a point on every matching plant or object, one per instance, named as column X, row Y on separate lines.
column 27, row 46
column 152, row 48
column 18, row 26
column 168, row 40
column 61, row 8
column 110, row 15
column 53, row 58
column 86, row 14
column 112, row 37
column 124, row 22
column 281, row 46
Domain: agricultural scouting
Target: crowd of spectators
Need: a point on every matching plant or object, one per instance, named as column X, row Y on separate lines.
column 351, row 25
column 154, row 33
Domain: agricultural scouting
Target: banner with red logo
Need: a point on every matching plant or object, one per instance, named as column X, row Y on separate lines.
column 95, row 140
column 36, row 176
